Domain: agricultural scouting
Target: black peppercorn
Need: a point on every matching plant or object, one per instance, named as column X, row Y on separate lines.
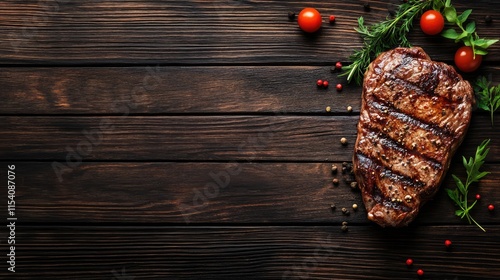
column 333, row 206
column 488, row 19
column 392, row 12
column 344, row 228
column 291, row 15
column 367, row 7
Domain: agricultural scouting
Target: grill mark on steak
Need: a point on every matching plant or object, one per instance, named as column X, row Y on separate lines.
column 433, row 109
column 421, row 138
column 387, row 192
column 397, row 158
column 414, row 115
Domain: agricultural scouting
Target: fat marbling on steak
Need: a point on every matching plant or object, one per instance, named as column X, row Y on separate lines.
column 414, row 115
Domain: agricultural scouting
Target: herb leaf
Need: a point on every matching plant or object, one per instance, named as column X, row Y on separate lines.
column 459, row 194
column 488, row 97
column 384, row 35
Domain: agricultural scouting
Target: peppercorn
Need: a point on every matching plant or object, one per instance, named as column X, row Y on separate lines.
column 349, row 109
column 345, row 211
column 334, row 169
column 339, row 87
column 344, row 223
column 355, row 207
column 491, row 207
column 478, row 196
column 354, row 185
column 343, row 141
column 409, row 262
column 488, row 19
column 344, row 228
column 447, row 243
column 331, row 19
column 319, row 83
column 338, row 65
column 420, row 272
column 335, row 181
column 325, row 84
column 367, row 7
column 291, row 15
column 328, row 109
column 333, row 206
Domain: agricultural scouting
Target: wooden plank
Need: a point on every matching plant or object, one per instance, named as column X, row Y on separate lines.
column 178, row 90
column 228, row 193
column 198, row 32
column 365, row 252
column 196, row 138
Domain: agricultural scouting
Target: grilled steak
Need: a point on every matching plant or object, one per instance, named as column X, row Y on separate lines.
column 414, row 114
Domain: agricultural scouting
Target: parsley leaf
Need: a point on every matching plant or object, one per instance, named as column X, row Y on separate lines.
column 460, row 193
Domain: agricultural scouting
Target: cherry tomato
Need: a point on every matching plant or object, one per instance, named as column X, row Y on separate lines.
column 309, row 20
column 432, row 22
column 465, row 61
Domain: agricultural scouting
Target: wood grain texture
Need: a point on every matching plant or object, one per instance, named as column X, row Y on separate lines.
column 179, row 90
column 197, row 138
column 365, row 252
column 198, row 32
column 228, row 193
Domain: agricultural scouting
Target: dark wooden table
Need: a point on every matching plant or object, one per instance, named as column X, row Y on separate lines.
column 188, row 140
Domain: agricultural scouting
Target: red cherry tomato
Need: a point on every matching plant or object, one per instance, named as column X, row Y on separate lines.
column 309, row 20
column 465, row 61
column 432, row 22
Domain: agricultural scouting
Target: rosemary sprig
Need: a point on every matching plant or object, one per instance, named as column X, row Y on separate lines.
column 488, row 97
column 384, row 35
column 459, row 194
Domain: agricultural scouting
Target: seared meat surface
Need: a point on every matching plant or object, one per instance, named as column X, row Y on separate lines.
column 414, row 115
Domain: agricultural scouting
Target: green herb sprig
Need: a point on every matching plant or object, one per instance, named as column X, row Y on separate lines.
column 488, row 97
column 392, row 32
column 382, row 36
column 468, row 35
column 460, row 194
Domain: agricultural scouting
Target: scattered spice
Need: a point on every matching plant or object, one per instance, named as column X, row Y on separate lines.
column 349, row 109
column 447, row 243
column 343, row 141
column 488, row 19
column 491, row 207
column 328, row 109
column 335, row 181
column 325, row 84
column 409, row 262
column 338, row 65
column 420, row 272
column 333, row 206
column 319, row 83
column 355, row 207
column 339, row 87
column 354, row 185
column 478, row 196
column 331, row 19
column 344, row 228
column 334, row 169
column 333, row 69
column 291, row 15
column 344, row 223
column 345, row 211
column 367, row 7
